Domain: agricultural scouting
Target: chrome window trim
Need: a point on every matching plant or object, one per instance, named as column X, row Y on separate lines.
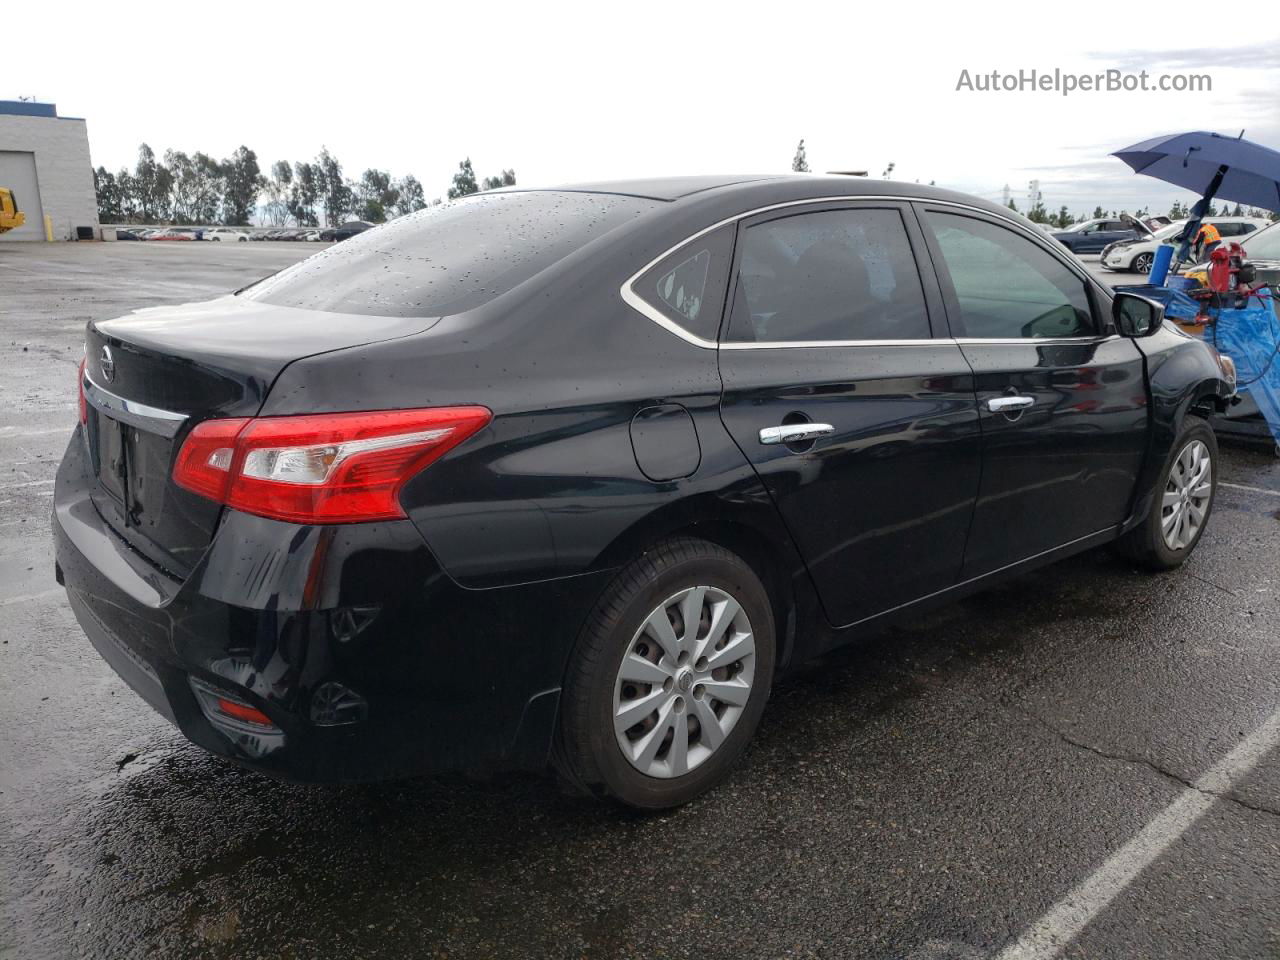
column 818, row 344
column 932, row 341
column 634, row 300
column 140, row 415
column 1094, row 338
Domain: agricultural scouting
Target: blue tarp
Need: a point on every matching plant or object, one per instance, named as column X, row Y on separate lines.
column 1177, row 305
column 1251, row 337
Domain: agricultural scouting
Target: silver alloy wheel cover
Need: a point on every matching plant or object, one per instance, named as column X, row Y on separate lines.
column 685, row 692
column 1186, row 496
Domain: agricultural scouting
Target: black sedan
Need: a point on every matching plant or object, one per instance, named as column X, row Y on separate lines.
column 346, row 231
column 565, row 478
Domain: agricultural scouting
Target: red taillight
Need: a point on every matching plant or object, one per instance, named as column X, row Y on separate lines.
column 242, row 711
column 204, row 462
column 84, row 404
column 321, row 468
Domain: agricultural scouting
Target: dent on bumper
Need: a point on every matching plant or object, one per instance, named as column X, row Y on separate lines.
column 367, row 659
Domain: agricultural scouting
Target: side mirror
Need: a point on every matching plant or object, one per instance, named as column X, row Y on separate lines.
column 1136, row 316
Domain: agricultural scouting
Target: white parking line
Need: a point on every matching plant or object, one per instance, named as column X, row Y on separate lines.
column 1053, row 932
column 1244, row 486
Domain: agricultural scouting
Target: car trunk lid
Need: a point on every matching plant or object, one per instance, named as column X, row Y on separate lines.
column 152, row 375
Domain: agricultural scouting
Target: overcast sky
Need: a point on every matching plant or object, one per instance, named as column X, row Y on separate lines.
column 564, row 92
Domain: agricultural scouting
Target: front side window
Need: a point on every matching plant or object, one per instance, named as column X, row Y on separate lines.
column 1006, row 286
column 834, row 275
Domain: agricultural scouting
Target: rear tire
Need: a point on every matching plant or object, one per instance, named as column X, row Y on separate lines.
column 694, row 625
column 1182, row 502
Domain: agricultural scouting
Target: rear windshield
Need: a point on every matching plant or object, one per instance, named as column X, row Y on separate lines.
column 448, row 258
column 1264, row 245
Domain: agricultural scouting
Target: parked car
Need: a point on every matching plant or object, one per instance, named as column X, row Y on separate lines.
column 123, row 233
column 1092, row 235
column 347, row 230
column 177, row 233
column 1136, row 254
column 227, row 234
column 407, row 505
column 1262, row 249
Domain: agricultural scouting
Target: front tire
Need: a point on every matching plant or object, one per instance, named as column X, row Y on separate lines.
column 1182, row 503
column 1141, row 263
column 669, row 677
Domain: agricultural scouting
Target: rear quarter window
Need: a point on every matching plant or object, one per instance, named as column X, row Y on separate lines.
column 449, row 258
column 688, row 286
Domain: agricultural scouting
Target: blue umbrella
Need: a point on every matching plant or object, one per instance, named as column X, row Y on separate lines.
column 1211, row 165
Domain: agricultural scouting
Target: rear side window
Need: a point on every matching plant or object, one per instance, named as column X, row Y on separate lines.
column 449, row 258
column 1007, row 286
column 1234, row 229
column 833, row 275
column 688, row 286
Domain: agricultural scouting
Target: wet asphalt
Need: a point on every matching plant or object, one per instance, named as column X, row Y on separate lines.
column 929, row 793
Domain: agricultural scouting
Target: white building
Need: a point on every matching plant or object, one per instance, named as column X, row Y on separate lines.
column 44, row 160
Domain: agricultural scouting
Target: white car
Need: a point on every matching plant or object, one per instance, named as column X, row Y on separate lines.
column 224, row 233
column 1136, row 254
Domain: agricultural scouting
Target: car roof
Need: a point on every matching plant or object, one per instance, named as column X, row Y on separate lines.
column 660, row 188
column 766, row 188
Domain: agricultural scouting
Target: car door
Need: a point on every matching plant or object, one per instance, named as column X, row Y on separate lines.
column 859, row 420
column 1062, row 399
column 1085, row 239
column 1102, row 233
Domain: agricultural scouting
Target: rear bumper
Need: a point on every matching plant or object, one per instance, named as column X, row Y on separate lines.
column 368, row 660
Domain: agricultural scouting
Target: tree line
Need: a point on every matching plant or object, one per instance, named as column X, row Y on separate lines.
column 1063, row 218
column 195, row 188
column 1178, row 211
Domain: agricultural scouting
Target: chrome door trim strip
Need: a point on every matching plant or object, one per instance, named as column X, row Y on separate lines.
column 931, row 342
column 633, row 300
column 140, row 415
column 978, row 341
column 820, row 344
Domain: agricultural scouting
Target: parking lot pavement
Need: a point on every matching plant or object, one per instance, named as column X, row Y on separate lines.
column 1093, row 263
column 1079, row 763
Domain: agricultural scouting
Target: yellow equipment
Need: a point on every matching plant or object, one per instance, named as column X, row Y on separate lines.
column 10, row 216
